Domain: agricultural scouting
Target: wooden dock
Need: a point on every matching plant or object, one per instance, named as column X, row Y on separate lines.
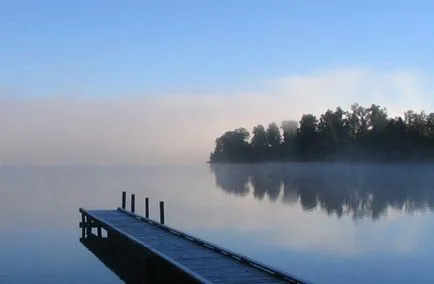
column 161, row 254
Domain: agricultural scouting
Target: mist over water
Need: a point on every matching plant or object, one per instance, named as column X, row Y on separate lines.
column 328, row 223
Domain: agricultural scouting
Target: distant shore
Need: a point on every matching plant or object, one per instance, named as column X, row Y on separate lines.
column 358, row 135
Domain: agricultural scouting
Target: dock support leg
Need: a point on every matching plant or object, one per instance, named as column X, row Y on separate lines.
column 83, row 222
column 162, row 212
column 99, row 232
column 147, row 207
column 133, row 203
column 88, row 227
column 124, row 200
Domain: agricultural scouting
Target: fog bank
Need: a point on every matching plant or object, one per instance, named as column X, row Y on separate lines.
column 182, row 128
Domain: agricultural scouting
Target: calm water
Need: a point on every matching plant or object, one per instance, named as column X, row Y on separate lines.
column 328, row 223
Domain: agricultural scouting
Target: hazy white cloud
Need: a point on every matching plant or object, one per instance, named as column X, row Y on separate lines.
column 182, row 128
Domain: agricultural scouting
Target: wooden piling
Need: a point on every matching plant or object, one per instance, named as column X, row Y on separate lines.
column 133, row 203
column 124, row 200
column 83, row 222
column 147, row 207
column 88, row 227
column 162, row 212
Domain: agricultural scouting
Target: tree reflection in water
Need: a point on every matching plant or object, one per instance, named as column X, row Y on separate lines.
column 358, row 190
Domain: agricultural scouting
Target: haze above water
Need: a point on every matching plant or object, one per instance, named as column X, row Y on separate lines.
column 327, row 223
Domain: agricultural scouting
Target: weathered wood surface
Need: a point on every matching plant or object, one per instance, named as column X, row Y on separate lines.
column 204, row 262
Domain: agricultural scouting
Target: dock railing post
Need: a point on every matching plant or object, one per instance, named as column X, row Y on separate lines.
column 147, row 207
column 162, row 212
column 133, row 203
column 88, row 226
column 124, row 200
column 83, row 224
column 99, row 232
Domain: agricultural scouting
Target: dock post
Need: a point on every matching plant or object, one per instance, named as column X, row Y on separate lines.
column 124, row 200
column 147, row 207
column 162, row 212
column 88, row 227
column 133, row 203
column 83, row 224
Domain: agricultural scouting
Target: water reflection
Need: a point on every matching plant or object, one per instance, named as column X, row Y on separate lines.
column 132, row 264
column 358, row 190
column 128, row 270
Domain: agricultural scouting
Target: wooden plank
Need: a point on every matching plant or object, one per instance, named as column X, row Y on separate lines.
column 234, row 278
column 224, row 267
column 165, row 258
column 248, row 261
column 216, row 262
column 195, row 256
column 196, row 261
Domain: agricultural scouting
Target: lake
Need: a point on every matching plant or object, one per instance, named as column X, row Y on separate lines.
column 327, row 223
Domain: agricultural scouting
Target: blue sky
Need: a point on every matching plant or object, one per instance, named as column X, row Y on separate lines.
column 120, row 48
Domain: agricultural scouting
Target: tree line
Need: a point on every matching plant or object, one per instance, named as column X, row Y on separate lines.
column 359, row 134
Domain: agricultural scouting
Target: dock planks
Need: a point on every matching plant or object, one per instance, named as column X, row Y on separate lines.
column 200, row 260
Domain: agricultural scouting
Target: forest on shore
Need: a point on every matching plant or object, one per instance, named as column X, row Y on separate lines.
column 359, row 134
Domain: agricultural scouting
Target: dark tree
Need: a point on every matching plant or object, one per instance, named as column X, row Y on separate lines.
column 274, row 140
column 289, row 128
column 361, row 134
column 334, row 132
column 233, row 147
column 307, row 137
column 259, row 143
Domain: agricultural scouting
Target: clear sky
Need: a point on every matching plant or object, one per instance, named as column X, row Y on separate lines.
column 111, row 46
column 214, row 54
